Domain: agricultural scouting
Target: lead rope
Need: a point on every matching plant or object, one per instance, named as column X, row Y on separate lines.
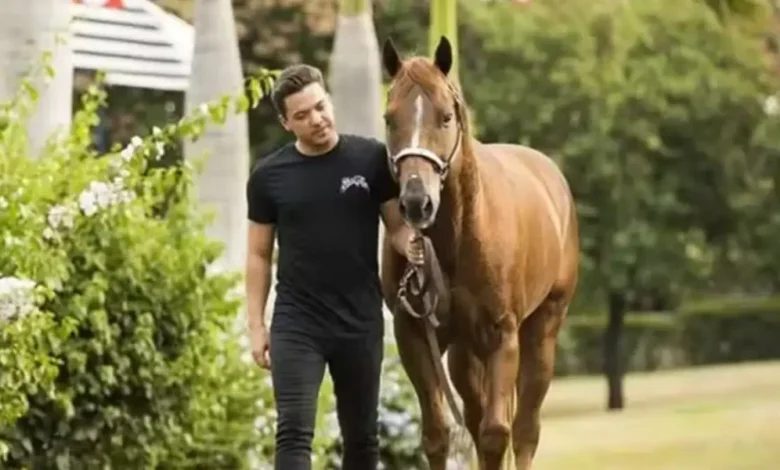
column 426, row 282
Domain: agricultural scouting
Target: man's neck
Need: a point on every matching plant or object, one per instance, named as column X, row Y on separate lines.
column 310, row 151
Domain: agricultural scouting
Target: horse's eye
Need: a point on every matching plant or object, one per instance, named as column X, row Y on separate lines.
column 388, row 120
column 446, row 118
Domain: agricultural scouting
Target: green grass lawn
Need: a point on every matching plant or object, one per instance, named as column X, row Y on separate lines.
column 714, row 418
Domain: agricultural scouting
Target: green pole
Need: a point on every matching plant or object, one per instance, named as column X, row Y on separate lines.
column 444, row 22
column 352, row 7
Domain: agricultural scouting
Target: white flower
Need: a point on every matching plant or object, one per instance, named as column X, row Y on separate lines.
column 3, row 203
column 156, row 131
column 49, row 233
column 127, row 153
column 100, row 195
column 61, row 215
column 160, row 147
column 772, row 106
column 16, row 297
column 88, row 203
column 136, row 141
column 204, row 108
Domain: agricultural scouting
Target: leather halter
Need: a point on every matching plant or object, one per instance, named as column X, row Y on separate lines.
column 442, row 166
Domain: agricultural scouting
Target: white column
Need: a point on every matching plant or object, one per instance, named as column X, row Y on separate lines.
column 216, row 71
column 28, row 28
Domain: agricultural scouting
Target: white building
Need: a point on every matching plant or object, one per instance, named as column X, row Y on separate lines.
column 138, row 45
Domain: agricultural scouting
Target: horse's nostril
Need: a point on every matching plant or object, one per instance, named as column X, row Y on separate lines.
column 427, row 208
column 402, row 207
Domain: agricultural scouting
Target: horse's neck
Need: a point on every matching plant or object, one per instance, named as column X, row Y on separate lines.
column 457, row 218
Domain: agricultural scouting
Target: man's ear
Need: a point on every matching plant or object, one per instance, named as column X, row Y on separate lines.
column 283, row 122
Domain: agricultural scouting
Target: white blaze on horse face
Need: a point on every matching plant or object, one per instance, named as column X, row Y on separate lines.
column 418, row 122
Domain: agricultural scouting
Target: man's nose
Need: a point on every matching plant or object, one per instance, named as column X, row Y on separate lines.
column 315, row 119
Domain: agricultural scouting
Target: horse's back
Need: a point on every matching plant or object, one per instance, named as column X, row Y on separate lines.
column 521, row 164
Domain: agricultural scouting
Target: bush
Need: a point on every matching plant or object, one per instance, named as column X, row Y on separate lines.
column 122, row 353
column 712, row 332
column 736, row 330
column 116, row 340
column 650, row 342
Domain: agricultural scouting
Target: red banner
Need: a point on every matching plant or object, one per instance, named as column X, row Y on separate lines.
column 118, row 4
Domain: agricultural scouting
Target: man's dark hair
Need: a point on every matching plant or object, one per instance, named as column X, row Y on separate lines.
column 292, row 80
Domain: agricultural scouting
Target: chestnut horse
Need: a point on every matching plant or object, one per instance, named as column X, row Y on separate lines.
column 502, row 219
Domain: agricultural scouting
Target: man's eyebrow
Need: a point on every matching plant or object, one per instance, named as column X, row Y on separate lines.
column 300, row 111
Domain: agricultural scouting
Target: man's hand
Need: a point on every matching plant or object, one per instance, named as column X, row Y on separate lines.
column 405, row 240
column 415, row 250
column 259, row 339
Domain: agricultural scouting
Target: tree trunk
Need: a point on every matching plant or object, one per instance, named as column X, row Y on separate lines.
column 356, row 84
column 216, row 71
column 28, row 29
column 613, row 364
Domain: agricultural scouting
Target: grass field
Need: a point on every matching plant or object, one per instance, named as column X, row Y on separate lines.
column 714, row 418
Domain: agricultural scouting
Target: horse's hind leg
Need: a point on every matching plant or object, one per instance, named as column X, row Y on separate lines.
column 417, row 361
column 538, row 336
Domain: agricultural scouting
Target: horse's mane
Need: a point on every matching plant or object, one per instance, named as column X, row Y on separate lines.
column 421, row 71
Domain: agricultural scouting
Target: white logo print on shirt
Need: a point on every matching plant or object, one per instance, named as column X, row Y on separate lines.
column 357, row 181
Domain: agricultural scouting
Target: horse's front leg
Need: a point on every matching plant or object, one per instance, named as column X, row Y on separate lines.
column 501, row 363
column 417, row 361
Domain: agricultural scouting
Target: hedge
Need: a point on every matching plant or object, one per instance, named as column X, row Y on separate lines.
column 734, row 330
column 710, row 332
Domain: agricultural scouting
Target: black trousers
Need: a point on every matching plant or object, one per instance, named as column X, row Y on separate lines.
column 298, row 363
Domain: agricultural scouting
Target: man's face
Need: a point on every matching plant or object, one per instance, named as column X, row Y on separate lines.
column 309, row 116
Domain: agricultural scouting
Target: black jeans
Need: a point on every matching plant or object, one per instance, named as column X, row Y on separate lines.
column 297, row 368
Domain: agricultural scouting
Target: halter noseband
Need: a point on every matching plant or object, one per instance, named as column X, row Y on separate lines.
column 441, row 166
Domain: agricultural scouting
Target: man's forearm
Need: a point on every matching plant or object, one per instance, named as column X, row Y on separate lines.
column 258, row 284
column 400, row 238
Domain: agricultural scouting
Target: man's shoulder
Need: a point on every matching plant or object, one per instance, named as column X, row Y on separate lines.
column 271, row 159
column 363, row 143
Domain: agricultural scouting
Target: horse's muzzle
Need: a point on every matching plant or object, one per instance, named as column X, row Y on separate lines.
column 417, row 210
column 416, row 205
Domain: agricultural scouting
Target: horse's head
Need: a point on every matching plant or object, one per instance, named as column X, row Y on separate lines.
column 424, row 121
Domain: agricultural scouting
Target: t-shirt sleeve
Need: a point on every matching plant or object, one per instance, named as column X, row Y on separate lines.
column 260, row 206
column 386, row 187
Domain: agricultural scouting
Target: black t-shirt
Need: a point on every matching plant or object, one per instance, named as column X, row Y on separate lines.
column 326, row 212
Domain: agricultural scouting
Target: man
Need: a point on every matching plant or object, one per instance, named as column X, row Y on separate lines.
column 322, row 196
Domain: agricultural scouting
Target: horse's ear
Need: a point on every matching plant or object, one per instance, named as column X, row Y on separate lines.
column 390, row 58
column 443, row 55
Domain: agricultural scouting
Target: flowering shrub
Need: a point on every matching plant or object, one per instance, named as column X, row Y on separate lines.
column 116, row 338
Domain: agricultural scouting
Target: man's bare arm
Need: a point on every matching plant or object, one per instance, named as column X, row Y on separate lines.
column 400, row 234
column 260, row 251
